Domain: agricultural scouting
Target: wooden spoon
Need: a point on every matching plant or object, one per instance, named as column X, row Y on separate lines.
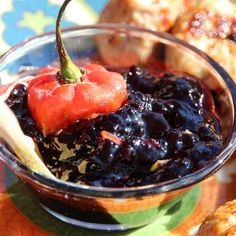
column 11, row 132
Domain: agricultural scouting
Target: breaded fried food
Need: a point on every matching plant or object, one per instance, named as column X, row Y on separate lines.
column 157, row 15
column 211, row 27
column 220, row 223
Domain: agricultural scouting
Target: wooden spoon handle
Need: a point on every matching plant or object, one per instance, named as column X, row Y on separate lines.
column 11, row 132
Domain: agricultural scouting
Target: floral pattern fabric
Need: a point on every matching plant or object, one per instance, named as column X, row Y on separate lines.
column 21, row 19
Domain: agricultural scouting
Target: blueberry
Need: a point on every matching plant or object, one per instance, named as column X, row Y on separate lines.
column 189, row 139
column 207, row 133
column 140, row 80
column 174, row 140
column 156, row 124
column 181, row 88
column 151, row 150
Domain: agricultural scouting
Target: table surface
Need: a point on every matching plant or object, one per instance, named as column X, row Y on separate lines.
column 20, row 213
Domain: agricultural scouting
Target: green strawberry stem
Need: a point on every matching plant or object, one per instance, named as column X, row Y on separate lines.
column 69, row 72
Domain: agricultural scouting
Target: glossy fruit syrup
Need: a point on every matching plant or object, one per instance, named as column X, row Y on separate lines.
column 166, row 129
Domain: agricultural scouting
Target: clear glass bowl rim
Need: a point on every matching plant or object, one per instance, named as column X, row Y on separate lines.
column 90, row 191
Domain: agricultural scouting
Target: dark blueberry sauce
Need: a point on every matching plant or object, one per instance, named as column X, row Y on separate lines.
column 167, row 129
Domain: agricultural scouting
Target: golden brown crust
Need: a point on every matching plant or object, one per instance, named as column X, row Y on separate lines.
column 210, row 28
column 220, row 223
column 154, row 15
column 204, row 22
column 150, row 14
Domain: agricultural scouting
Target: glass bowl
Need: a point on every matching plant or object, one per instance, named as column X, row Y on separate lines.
column 120, row 46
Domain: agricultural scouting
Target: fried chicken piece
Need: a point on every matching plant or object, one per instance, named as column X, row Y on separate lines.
column 220, row 223
column 211, row 27
column 157, row 15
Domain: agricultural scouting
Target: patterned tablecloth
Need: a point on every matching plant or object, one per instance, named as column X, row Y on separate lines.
column 20, row 213
column 25, row 18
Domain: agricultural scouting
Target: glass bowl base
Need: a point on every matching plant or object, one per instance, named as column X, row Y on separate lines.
column 89, row 225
